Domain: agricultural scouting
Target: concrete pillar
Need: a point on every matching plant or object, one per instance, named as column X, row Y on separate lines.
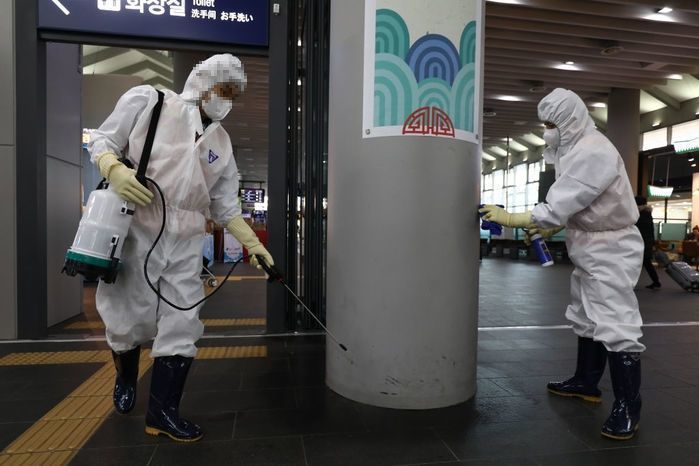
column 63, row 168
column 8, row 170
column 624, row 128
column 402, row 265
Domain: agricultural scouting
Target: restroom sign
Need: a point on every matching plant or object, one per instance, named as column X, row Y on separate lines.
column 238, row 22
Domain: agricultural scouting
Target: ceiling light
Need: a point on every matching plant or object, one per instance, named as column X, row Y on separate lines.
column 598, row 105
column 690, row 160
column 675, row 76
column 570, row 63
column 509, row 98
column 659, row 17
column 567, row 67
column 694, row 165
column 510, row 2
column 299, row 43
column 656, row 124
column 665, row 10
column 298, row 82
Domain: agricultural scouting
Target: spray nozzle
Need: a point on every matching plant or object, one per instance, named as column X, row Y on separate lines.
column 273, row 273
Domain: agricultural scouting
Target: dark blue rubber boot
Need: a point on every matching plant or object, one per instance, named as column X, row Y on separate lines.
column 592, row 357
column 625, row 369
column 126, row 379
column 167, row 384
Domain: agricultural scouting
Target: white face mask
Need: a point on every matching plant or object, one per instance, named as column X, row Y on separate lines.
column 552, row 137
column 216, row 107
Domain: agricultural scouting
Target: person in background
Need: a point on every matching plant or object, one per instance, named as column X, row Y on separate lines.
column 647, row 229
column 694, row 234
column 592, row 197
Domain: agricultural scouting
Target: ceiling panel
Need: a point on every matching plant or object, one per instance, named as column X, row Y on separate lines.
column 611, row 43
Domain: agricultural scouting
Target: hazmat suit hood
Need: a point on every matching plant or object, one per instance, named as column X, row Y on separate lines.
column 568, row 112
column 222, row 68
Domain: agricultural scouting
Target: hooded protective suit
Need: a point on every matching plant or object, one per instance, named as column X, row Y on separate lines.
column 196, row 170
column 593, row 198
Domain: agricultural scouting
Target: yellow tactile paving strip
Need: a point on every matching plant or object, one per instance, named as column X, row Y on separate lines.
column 57, row 437
column 238, row 322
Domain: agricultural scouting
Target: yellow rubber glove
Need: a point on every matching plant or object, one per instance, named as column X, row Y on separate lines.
column 545, row 233
column 502, row 217
column 249, row 239
column 123, row 180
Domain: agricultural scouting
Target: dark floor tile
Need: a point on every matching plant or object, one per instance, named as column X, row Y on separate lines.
column 523, row 386
column 10, row 431
column 510, row 439
column 655, row 429
column 133, row 456
column 128, row 430
column 394, row 420
column 284, row 422
column 255, row 452
column 688, row 394
column 223, row 381
column 525, row 408
column 203, row 368
column 26, row 410
column 375, row 449
column 121, row 431
column 676, row 454
column 205, row 402
column 285, row 379
column 488, row 388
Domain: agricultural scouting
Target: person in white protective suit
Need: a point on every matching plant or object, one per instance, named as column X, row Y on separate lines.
column 593, row 199
column 192, row 161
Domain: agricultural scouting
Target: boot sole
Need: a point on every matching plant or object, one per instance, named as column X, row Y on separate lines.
column 620, row 437
column 590, row 398
column 156, row 432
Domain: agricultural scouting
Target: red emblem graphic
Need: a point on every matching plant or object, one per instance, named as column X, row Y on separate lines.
column 429, row 120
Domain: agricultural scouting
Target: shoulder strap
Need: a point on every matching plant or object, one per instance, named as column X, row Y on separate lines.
column 148, row 145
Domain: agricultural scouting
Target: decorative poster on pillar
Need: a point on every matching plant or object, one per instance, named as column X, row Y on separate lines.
column 421, row 61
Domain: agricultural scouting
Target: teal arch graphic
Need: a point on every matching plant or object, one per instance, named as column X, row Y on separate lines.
column 395, row 91
column 463, row 94
column 392, row 34
column 468, row 44
column 401, row 86
column 434, row 92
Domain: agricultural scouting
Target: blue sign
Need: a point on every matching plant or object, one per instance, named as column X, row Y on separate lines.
column 239, row 22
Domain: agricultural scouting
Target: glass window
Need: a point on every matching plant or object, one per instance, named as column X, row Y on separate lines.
column 685, row 131
column 488, row 182
column 498, row 179
column 534, row 172
column 654, row 139
column 520, row 174
column 499, row 196
column 487, row 197
column 532, row 194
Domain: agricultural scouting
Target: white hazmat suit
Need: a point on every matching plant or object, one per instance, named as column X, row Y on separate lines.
column 593, row 198
column 196, row 170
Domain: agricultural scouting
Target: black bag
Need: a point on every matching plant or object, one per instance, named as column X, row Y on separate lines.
column 684, row 275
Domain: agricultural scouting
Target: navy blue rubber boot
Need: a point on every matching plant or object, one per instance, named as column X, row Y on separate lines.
column 625, row 369
column 167, row 385
column 126, row 379
column 592, row 358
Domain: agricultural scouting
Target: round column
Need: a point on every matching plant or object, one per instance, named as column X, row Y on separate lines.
column 403, row 240
column 624, row 128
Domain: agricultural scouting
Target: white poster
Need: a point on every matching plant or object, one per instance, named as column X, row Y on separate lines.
column 421, row 62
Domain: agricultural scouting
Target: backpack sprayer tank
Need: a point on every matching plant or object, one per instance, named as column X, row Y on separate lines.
column 96, row 250
column 103, row 228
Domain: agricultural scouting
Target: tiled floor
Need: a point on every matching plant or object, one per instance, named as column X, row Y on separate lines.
column 277, row 411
